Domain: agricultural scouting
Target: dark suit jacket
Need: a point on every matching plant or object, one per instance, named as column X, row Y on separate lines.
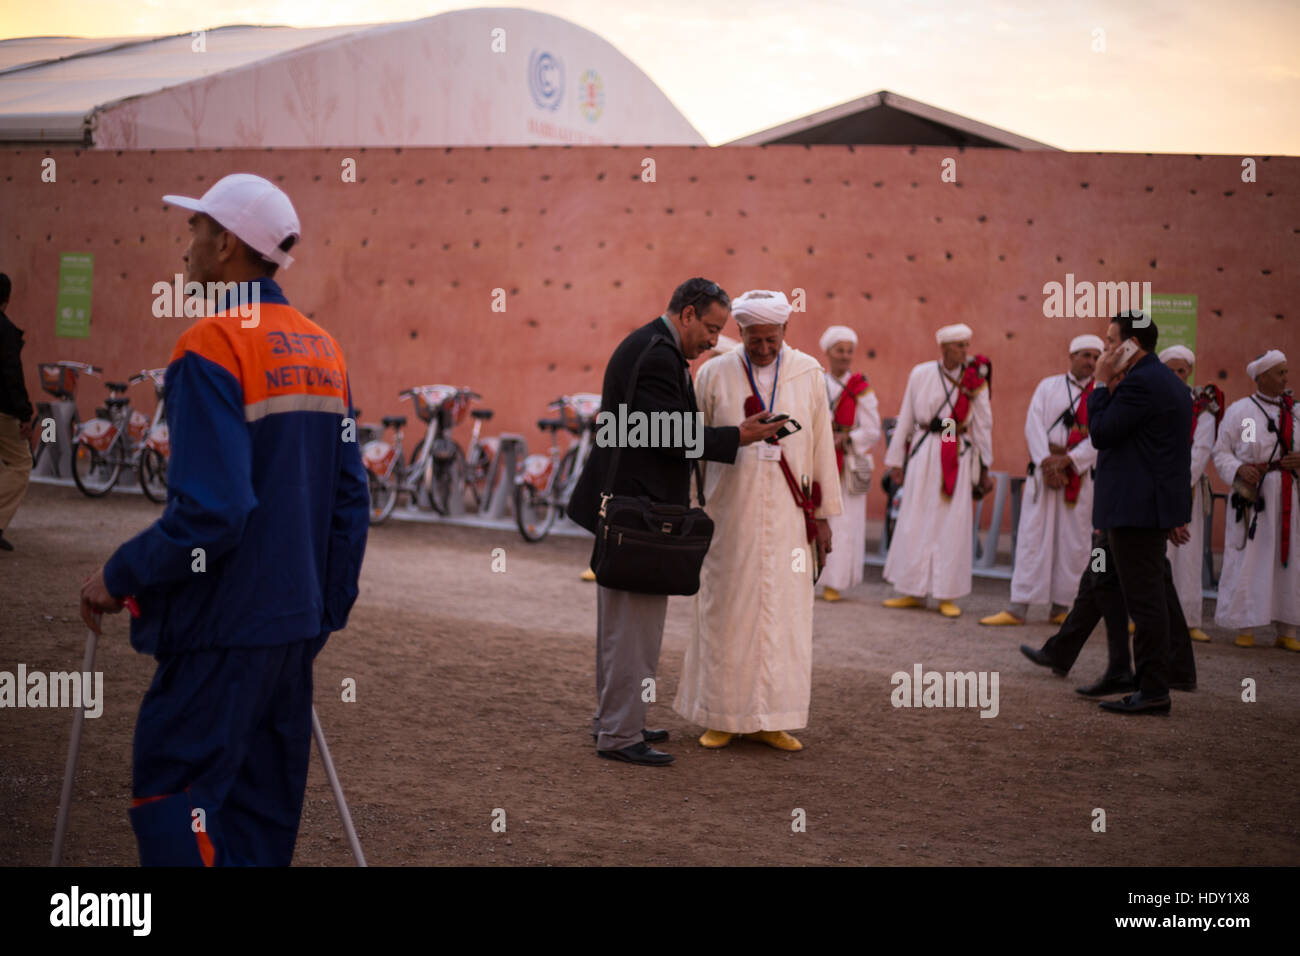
column 1142, row 432
column 13, row 390
column 660, row 474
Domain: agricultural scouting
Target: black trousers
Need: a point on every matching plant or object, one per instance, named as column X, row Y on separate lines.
column 1099, row 597
column 1162, row 646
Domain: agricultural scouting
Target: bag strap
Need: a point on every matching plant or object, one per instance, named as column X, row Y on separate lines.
column 612, row 468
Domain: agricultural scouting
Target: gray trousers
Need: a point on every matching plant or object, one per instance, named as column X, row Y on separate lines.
column 629, row 630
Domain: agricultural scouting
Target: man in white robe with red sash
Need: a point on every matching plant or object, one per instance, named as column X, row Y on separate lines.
column 943, row 447
column 1188, row 560
column 1054, row 536
column 855, row 419
column 1258, row 452
column 748, row 665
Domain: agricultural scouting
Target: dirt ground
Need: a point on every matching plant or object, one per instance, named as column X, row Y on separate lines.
column 475, row 690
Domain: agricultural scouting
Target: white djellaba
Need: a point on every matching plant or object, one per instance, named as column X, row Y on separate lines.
column 748, row 664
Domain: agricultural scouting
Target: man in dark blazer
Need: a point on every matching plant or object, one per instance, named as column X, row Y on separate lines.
column 1143, row 497
column 630, row 626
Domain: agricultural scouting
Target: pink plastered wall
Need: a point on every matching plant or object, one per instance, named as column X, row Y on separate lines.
column 401, row 265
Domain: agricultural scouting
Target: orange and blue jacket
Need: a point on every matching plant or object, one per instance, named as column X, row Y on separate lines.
column 264, row 530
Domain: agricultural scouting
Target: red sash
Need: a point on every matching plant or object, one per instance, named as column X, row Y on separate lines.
column 976, row 374
column 1078, row 432
column 1207, row 398
column 846, row 411
column 1286, row 430
column 809, row 503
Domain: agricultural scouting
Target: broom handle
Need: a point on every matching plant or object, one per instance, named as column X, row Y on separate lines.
column 338, row 790
column 74, row 748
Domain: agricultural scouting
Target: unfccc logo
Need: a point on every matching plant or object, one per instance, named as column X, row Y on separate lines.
column 545, row 79
column 591, row 95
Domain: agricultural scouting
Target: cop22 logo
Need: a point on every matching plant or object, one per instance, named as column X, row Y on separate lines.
column 591, row 95
column 545, row 79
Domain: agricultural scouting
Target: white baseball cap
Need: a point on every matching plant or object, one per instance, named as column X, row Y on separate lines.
column 254, row 209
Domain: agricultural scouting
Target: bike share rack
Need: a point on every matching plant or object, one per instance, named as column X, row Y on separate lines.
column 511, row 450
column 56, row 459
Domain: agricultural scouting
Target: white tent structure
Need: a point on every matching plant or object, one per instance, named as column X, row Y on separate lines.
column 482, row 77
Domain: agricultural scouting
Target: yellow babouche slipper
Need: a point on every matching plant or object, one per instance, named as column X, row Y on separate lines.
column 589, row 575
column 1001, row 619
column 1196, row 634
column 1059, row 619
column 1132, row 628
column 1244, row 639
column 948, row 609
column 778, row 739
column 713, row 739
column 905, row 600
column 1289, row 643
column 830, row 594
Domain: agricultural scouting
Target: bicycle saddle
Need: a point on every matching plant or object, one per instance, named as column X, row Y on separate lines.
column 550, row 423
column 116, row 402
column 394, row 421
column 115, row 386
column 482, row 413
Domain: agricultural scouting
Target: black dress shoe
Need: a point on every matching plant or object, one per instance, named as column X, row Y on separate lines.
column 1183, row 685
column 1041, row 659
column 637, row 753
column 1137, row 703
column 1108, row 685
column 651, row 736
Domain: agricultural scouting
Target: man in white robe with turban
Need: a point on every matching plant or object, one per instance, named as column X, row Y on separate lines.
column 946, row 405
column 855, row 421
column 1054, row 536
column 748, row 665
column 1257, row 453
column 1188, row 560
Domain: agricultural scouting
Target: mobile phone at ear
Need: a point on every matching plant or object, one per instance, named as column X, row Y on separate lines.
column 1124, row 354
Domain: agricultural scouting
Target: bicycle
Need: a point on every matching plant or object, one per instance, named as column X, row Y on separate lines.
column 437, row 466
column 58, row 379
column 478, row 460
column 109, row 442
column 156, row 453
column 545, row 482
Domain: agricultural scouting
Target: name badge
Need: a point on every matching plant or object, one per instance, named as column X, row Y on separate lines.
column 768, row 452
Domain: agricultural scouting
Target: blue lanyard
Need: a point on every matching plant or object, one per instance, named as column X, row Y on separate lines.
column 749, row 370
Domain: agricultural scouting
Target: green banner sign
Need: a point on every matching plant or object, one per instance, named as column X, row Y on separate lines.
column 72, row 313
column 1175, row 317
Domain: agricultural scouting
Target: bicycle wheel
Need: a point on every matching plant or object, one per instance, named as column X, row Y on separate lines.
column 535, row 511
column 476, row 476
column 383, row 497
column 153, row 475
column 448, row 480
column 94, row 473
column 565, row 477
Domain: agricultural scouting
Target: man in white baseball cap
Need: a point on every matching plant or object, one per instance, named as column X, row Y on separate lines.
column 1053, row 539
column 255, row 560
column 251, row 209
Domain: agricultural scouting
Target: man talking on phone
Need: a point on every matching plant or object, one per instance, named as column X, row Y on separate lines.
column 1140, row 414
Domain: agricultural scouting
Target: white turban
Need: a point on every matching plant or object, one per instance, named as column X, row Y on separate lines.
column 1081, row 342
column 836, row 334
column 760, row 307
column 1178, row 352
column 1265, row 362
column 953, row 333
